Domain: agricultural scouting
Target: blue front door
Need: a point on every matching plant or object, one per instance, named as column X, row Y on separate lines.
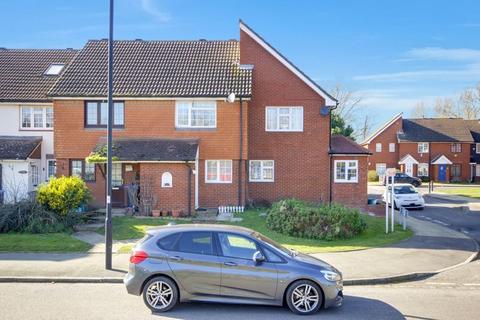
column 442, row 172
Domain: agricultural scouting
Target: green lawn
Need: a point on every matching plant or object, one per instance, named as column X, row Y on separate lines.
column 50, row 242
column 472, row 192
column 374, row 236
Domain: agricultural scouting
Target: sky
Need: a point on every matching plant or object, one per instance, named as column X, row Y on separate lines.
column 390, row 53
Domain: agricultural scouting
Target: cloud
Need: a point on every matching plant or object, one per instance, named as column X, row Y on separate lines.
column 150, row 7
column 443, row 54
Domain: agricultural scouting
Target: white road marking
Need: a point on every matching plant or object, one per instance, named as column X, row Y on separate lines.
column 442, row 283
column 441, row 222
column 465, row 231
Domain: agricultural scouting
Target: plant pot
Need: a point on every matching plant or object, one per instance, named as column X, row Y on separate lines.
column 164, row 213
column 156, row 213
column 177, row 213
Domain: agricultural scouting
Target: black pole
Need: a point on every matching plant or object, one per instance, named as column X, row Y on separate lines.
column 108, row 216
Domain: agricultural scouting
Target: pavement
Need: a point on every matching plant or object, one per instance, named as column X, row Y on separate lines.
column 432, row 249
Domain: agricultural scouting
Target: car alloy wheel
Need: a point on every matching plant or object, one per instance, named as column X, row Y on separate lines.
column 304, row 297
column 160, row 294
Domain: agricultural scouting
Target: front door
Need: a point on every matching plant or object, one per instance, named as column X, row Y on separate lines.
column 118, row 190
column 195, row 263
column 442, row 172
column 409, row 169
column 241, row 276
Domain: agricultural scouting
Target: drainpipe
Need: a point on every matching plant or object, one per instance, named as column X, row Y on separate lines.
column 330, row 197
column 240, row 155
column 189, row 189
column 430, row 182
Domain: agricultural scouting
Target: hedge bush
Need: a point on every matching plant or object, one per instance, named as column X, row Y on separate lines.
column 28, row 216
column 325, row 222
column 63, row 195
column 372, row 176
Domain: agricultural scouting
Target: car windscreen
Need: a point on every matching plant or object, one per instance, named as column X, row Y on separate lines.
column 404, row 190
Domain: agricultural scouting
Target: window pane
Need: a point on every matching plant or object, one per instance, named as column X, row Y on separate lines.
column 211, row 170
column 255, row 170
column 92, row 113
column 271, row 119
column 168, row 242
column 297, row 119
column 89, row 172
column 225, row 171
column 118, row 113
column 196, row 242
column 49, row 119
column 26, row 121
column 340, row 170
column 104, row 113
column 352, row 174
column 117, row 179
column 267, row 173
column 203, row 114
column 236, row 246
column 52, row 168
column 35, row 176
column 271, row 256
column 76, row 168
column 38, row 117
column 182, row 113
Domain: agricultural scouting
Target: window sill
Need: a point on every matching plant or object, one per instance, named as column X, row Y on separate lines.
column 103, row 128
column 194, row 129
column 262, row 181
column 218, row 182
column 345, row 181
column 36, row 129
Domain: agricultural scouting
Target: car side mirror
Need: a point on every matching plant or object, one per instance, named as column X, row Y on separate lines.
column 258, row 257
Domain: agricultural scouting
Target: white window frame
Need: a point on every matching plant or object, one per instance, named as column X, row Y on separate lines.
column 32, row 118
column 477, row 148
column 391, row 147
column 35, row 174
column 278, row 108
column 54, row 69
column 477, row 170
column 48, row 168
column 167, row 180
column 218, row 162
column 422, row 147
column 378, row 147
column 384, row 165
column 190, row 107
column 347, row 167
column 421, row 165
column 262, row 167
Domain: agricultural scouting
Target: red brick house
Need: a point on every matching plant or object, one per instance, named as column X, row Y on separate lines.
column 443, row 149
column 178, row 127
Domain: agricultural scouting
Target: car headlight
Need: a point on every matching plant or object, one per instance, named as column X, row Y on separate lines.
column 331, row 276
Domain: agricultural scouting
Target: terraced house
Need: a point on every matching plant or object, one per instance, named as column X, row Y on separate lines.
column 442, row 149
column 202, row 124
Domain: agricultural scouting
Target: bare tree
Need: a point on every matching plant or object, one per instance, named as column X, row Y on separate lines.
column 348, row 103
column 420, row 110
column 363, row 132
column 466, row 106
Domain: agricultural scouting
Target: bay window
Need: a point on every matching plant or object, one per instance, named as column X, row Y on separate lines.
column 196, row 114
column 261, row 170
column 218, row 171
column 346, row 171
column 284, row 119
column 36, row 118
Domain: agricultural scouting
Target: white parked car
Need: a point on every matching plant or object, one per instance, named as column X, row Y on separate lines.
column 406, row 196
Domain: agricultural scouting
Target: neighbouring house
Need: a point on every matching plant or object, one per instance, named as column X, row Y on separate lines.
column 26, row 118
column 203, row 124
column 441, row 149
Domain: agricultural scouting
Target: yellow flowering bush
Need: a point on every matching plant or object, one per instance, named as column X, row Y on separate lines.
column 63, row 195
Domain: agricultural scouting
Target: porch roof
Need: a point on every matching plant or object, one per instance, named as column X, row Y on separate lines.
column 18, row 147
column 408, row 159
column 150, row 149
column 441, row 159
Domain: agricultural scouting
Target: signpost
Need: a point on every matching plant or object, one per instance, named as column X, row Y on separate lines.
column 389, row 197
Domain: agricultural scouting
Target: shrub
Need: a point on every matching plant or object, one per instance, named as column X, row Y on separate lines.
column 325, row 222
column 372, row 176
column 63, row 195
column 28, row 216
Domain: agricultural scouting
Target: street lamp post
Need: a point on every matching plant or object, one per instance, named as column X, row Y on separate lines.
column 108, row 215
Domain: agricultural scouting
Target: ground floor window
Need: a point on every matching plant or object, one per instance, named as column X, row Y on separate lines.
column 218, row 171
column 261, row 170
column 422, row 170
column 456, row 171
column 477, row 170
column 381, row 168
column 51, row 168
column 117, row 177
column 82, row 169
column 35, row 176
column 346, row 171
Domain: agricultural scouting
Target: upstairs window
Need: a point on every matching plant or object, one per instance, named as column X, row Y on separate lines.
column 196, row 114
column 378, row 147
column 284, row 119
column 96, row 114
column 346, row 171
column 391, row 147
column 36, row 118
column 456, row 147
column 422, row 147
column 54, row 69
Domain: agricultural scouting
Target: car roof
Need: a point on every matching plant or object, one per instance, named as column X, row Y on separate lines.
column 198, row 227
column 403, row 185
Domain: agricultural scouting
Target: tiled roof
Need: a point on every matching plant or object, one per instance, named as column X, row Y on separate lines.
column 17, row 148
column 22, row 71
column 474, row 127
column 435, row 130
column 344, row 145
column 158, row 69
column 148, row 149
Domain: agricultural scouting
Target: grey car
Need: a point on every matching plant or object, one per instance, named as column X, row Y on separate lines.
column 227, row 264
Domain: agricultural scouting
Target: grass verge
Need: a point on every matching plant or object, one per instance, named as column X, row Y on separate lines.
column 374, row 236
column 471, row 192
column 49, row 242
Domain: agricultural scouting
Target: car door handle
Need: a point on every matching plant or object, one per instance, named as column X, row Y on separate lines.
column 230, row 263
column 176, row 258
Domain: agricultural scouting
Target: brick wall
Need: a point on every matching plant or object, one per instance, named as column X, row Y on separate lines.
column 389, row 135
column 301, row 158
column 352, row 194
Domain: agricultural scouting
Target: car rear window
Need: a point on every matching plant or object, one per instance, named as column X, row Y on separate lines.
column 199, row 242
column 167, row 242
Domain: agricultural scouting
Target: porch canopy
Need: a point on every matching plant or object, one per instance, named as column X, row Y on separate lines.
column 441, row 159
column 19, row 147
column 150, row 149
column 408, row 159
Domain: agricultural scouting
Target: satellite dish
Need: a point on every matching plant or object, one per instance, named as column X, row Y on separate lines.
column 324, row 111
column 231, row 97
